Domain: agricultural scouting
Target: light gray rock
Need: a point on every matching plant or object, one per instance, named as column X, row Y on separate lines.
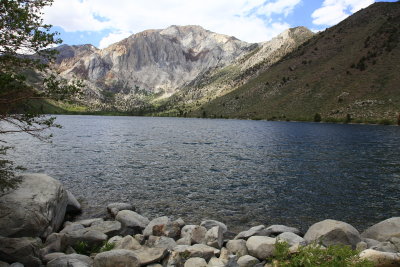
column 35, row 209
column 51, row 256
column 140, row 238
column 114, row 208
column 110, row 228
column 71, row 227
column 116, row 257
column 247, row 261
column 384, row 230
column 232, row 261
column 291, row 238
column 361, row 246
column 150, row 255
column 161, row 242
column 208, row 224
column 196, row 233
column 332, row 232
column 71, row 260
column 16, row 264
column 396, row 242
column 180, row 222
column 154, row 265
column 25, row 250
column 195, row 262
column 202, row 251
column 275, row 230
column 371, row 242
column 170, row 229
column 4, row 264
column 54, row 243
column 217, row 262
column 184, row 241
column 73, row 205
column 114, row 239
column 214, row 237
column 385, row 247
column 91, row 237
column 237, row 247
column 381, row 259
column 132, row 222
column 157, row 221
column 88, row 222
column 256, row 230
column 261, row 247
column 128, row 242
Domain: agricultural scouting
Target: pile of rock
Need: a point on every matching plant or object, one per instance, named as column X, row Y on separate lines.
column 138, row 241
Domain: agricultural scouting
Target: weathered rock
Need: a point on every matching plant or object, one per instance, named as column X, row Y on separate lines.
column 140, row 238
column 110, row 228
column 128, row 242
column 89, row 222
column 86, row 235
column 232, row 261
column 25, row 250
column 217, row 262
column 202, row 251
column 381, row 259
column 116, row 257
column 208, row 224
column 154, row 265
column 170, row 229
column 180, row 222
column 51, row 256
column 115, row 239
column 275, row 230
column 73, row 205
column 361, row 246
column 71, row 227
column 261, row 247
column 176, row 257
column 70, row 250
column 54, row 243
column 114, row 208
column 396, row 242
column 196, row 233
column 371, row 242
column 247, row 261
column 291, row 238
column 385, row 247
column 237, row 247
column 4, row 264
column 157, row 221
column 35, row 209
column 253, row 231
column 71, row 260
column 150, row 255
column 332, row 232
column 184, row 241
column 195, row 262
column 214, row 237
column 132, row 222
column 16, row 264
column 384, row 230
column 161, row 242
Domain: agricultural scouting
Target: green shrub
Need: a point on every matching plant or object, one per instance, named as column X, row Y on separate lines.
column 85, row 249
column 317, row 117
column 314, row 255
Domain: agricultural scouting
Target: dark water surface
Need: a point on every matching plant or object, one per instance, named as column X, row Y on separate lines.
column 243, row 173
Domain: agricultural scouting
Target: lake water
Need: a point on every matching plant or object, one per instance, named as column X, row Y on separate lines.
column 243, row 173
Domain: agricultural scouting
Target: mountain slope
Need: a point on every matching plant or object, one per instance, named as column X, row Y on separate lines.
column 349, row 71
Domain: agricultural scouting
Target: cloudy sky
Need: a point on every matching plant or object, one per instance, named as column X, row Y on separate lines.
column 103, row 22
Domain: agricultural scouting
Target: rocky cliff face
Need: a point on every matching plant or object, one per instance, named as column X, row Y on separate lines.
column 154, row 61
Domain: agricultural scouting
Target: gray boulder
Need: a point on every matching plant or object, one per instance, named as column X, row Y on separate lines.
column 237, row 247
column 195, row 262
column 170, row 229
column 331, row 232
column 261, row 247
column 371, row 242
column 127, row 242
column 86, row 235
column 214, row 237
column 51, row 256
column 385, row 247
column 381, row 259
column 25, row 250
column 384, row 230
column 196, row 233
column 73, row 205
column 150, row 255
column 71, row 227
column 148, row 231
column 396, row 242
column 275, row 230
column 71, row 260
column 110, row 228
column 114, row 208
column 161, row 242
column 132, row 222
column 35, row 209
column 217, row 262
column 88, row 222
column 247, row 261
column 201, row 251
column 55, row 243
column 253, row 231
column 4, row 264
column 116, row 257
column 208, row 224
column 292, row 239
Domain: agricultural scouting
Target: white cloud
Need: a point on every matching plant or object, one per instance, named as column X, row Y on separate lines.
column 233, row 17
column 113, row 38
column 334, row 11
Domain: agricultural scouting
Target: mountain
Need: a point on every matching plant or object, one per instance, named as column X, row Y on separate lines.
column 349, row 72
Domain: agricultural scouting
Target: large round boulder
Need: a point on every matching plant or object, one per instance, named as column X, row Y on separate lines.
column 35, row 209
column 331, row 232
column 116, row 257
column 261, row 247
column 384, row 230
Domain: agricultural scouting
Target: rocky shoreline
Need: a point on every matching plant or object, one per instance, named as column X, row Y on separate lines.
column 33, row 233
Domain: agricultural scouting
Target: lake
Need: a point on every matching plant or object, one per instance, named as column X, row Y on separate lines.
column 243, row 173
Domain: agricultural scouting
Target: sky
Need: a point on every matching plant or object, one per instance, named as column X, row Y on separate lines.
column 104, row 22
